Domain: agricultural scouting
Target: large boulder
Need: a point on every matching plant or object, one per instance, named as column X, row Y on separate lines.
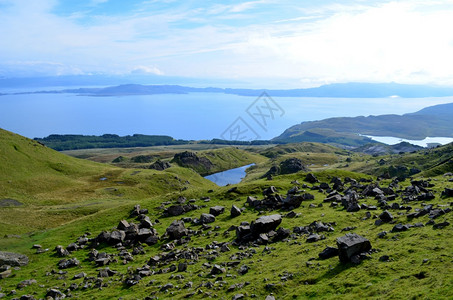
column 352, row 245
column 176, row 230
column 216, row 210
column 207, row 218
column 13, row 259
column 175, row 210
column 265, row 224
column 293, row 201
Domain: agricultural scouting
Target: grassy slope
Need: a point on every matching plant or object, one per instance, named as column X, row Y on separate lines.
column 229, row 158
column 326, row 279
column 431, row 162
column 223, row 157
column 311, row 278
column 55, row 188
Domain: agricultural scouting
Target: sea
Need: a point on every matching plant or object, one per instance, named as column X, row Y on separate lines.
column 193, row 116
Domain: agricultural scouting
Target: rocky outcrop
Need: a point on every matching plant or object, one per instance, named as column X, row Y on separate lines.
column 189, row 159
column 160, row 165
column 289, row 166
column 13, row 259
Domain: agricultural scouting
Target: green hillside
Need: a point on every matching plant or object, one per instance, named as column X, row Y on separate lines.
column 434, row 121
column 83, row 202
column 53, row 188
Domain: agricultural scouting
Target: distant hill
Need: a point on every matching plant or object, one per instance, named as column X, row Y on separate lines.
column 428, row 122
column 340, row 90
column 381, row 149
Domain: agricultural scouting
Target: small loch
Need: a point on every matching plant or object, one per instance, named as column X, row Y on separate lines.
column 231, row 176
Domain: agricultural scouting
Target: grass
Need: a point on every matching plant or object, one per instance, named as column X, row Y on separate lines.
column 75, row 201
column 326, row 279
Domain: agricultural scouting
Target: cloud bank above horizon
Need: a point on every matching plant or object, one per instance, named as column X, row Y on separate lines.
column 308, row 44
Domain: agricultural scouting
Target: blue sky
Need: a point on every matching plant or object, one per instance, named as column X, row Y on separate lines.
column 288, row 43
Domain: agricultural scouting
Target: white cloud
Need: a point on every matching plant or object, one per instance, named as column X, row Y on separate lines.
column 402, row 41
column 146, row 70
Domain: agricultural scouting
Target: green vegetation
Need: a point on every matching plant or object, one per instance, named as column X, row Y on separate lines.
column 64, row 197
column 62, row 142
column 297, row 134
column 70, row 142
column 428, row 122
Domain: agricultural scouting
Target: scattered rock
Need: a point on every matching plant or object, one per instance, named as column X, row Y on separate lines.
column 216, row 269
column 400, row 227
column 447, row 193
column 384, row 258
column 80, row 275
column 311, row 178
column 441, row 225
column 26, row 283
column 328, row 252
column 216, row 210
column 6, row 273
column 55, row 294
column 235, row 211
column 243, row 270
column 176, row 230
column 386, row 216
column 68, row 263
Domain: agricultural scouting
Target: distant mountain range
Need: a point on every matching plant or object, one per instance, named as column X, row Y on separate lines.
column 341, row 90
column 433, row 121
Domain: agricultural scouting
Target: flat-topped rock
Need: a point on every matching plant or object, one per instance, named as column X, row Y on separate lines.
column 266, row 223
column 350, row 245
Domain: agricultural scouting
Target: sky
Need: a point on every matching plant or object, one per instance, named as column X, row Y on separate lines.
column 281, row 43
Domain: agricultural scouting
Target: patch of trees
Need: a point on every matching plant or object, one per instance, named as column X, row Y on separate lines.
column 61, row 142
column 73, row 142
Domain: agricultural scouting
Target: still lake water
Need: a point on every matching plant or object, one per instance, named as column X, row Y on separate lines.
column 231, row 176
column 189, row 116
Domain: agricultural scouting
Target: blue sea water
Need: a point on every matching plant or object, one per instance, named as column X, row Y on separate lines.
column 189, row 116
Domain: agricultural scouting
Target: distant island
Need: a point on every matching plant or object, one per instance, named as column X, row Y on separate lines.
column 340, row 90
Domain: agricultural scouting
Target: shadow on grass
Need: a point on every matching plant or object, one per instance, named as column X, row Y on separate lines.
column 340, row 267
